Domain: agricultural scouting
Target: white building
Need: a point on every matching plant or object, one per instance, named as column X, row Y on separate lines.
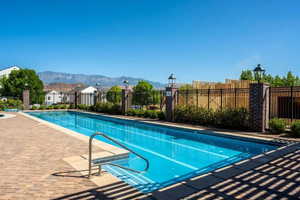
column 87, row 96
column 53, row 97
column 6, row 71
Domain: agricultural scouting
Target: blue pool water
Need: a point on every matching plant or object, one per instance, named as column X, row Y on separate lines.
column 174, row 154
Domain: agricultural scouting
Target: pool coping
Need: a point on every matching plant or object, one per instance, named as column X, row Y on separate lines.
column 238, row 134
column 194, row 184
column 73, row 160
column 241, row 135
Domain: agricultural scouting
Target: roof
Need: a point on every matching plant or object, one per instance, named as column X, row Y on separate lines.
column 89, row 89
column 9, row 67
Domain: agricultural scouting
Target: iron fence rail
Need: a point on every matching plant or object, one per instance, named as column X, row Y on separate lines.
column 214, row 98
column 285, row 103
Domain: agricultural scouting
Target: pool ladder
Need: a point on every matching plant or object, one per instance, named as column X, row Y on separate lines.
column 107, row 161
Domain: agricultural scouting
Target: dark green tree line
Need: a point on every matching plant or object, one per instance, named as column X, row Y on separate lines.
column 288, row 80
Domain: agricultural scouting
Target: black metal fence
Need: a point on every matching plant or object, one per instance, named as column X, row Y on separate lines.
column 154, row 99
column 214, row 98
column 285, row 103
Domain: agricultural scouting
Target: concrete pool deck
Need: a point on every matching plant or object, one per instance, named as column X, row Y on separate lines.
column 34, row 165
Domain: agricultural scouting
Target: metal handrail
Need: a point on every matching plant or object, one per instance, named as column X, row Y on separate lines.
column 108, row 163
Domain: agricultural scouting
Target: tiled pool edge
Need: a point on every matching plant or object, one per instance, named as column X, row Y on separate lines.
column 106, row 147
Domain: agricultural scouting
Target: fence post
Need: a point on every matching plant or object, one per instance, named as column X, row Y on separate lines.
column 259, row 106
column 197, row 93
column 95, row 97
column 26, row 99
column 235, row 92
column 186, row 97
column 171, row 96
column 126, row 100
column 292, row 104
column 208, row 95
column 221, row 99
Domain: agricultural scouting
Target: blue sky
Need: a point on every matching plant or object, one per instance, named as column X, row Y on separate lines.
column 196, row 39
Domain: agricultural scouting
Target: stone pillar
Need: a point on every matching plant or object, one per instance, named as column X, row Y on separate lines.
column 26, row 99
column 126, row 100
column 76, row 99
column 96, row 94
column 259, row 106
column 171, row 97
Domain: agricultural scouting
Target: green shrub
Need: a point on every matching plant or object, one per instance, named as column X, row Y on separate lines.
column 11, row 104
column 232, row 118
column 62, row 106
column 277, row 125
column 72, row 106
column 83, row 107
column 139, row 112
column 193, row 114
column 107, row 107
column 161, row 115
column 34, row 108
column 295, row 128
column 154, row 114
column 227, row 118
column 56, row 107
column 147, row 113
column 131, row 112
column 50, row 107
column 42, row 107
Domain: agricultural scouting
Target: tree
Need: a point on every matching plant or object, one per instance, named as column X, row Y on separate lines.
column 114, row 94
column 290, row 79
column 19, row 80
column 277, row 81
column 247, row 75
column 143, row 94
column 2, row 80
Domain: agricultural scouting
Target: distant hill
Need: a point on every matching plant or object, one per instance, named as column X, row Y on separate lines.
column 58, row 77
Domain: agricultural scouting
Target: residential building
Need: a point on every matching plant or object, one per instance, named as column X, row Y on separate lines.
column 6, row 71
column 87, row 95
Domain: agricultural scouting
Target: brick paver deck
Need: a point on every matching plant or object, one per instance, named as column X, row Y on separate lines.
column 30, row 154
column 32, row 166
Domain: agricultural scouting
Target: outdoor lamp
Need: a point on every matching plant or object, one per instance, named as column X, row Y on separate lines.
column 97, row 86
column 172, row 80
column 259, row 72
column 126, row 83
column 26, row 85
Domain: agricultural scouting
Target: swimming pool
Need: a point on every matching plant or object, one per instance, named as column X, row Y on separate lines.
column 174, row 154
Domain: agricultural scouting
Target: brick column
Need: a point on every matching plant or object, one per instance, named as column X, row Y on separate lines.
column 259, row 106
column 76, row 99
column 96, row 95
column 171, row 97
column 126, row 100
column 26, row 99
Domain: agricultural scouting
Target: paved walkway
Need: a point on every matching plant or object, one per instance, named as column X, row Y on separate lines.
column 30, row 154
column 32, row 166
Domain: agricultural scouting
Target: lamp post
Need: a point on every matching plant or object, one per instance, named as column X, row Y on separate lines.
column 26, row 97
column 99, row 91
column 172, row 80
column 126, row 101
column 259, row 72
column 126, row 83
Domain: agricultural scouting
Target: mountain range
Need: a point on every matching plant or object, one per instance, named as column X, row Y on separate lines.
column 58, row 77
